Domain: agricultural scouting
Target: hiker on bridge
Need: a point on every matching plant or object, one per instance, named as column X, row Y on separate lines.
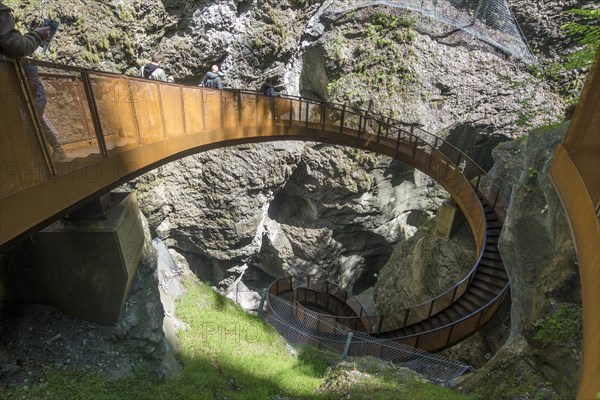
column 15, row 44
column 268, row 89
column 152, row 70
column 213, row 78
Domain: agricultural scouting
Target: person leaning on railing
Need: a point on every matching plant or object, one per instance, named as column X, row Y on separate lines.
column 15, row 44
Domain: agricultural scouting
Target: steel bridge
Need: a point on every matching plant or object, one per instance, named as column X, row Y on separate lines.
column 114, row 128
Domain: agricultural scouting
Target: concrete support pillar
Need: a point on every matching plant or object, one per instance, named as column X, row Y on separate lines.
column 449, row 219
column 85, row 266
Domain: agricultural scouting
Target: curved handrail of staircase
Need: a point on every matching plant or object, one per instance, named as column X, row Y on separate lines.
column 414, row 340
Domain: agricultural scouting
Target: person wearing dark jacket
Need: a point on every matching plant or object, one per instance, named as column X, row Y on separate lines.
column 153, row 70
column 15, row 44
column 213, row 78
column 12, row 42
column 268, row 89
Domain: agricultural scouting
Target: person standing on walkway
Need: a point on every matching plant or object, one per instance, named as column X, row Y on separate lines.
column 153, row 69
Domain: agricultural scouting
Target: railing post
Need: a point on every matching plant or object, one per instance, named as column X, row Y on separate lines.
column 256, row 110
column 430, row 309
column 347, row 346
column 450, row 333
column 239, row 101
column 406, row 317
column 261, row 312
column 291, row 111
column 342, row 117
column 35, row 120
column 387, row 129
column 307, row 108
column 183, row 109
column 134, row 113
column 496, row 198
column 378, row 131
column 162, row 113
column 89, row 93
column 380, row 324
column 272, row 100
column 360, row 118
column 323, row 118
column 204, row 109
column 477, row 183
column 453, row 294
column 398, row 139
column 222, row 110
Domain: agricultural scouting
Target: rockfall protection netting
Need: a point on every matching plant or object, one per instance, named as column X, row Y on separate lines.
column 320, row 332
column 169, row 272
column 490, row 21
column 435, row 367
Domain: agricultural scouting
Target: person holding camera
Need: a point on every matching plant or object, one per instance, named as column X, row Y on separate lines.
column 12, row 42
column 15, row 44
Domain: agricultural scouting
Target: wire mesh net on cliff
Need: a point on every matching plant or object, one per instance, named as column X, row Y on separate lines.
column 490, row 21
column 344, row 341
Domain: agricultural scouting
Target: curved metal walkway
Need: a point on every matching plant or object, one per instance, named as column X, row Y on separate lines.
column 114, row 128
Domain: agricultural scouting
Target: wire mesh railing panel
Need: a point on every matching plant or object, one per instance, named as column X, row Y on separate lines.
column 301, row 327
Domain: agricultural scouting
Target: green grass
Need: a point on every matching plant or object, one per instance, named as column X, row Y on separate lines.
column 228, row 354
column 561, row 327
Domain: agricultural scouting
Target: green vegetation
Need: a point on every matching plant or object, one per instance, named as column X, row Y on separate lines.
column 229, row 354
column 563, row 326
column 587, row 33
column 510, row 379
column 381, row 62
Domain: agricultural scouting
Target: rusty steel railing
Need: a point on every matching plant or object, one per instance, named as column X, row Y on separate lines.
column 575, row 173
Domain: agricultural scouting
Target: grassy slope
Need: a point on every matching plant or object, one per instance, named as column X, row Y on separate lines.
column 228, row 354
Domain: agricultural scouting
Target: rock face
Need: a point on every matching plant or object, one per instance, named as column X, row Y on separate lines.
column 538, row 251
column 423, row 267
column 287, row 208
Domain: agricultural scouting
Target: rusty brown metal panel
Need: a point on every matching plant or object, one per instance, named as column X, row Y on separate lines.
column 145, row 98
column 172, row 109
column 192, row 101
column 583, row 138
column 249, row 112
column 585, row 228
column 114, row 99
column 431, row 341
column 575, row 173
column 211, row 107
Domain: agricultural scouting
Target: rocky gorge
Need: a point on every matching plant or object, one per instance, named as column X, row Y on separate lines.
column 247, row 214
